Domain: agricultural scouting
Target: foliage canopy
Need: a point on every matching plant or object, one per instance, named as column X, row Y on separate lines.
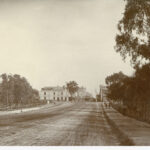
column 134, row 32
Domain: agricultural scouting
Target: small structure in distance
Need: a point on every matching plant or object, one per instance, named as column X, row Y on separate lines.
column 103, row 93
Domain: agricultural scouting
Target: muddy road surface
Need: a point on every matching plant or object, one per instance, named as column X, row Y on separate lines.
column 68, row 124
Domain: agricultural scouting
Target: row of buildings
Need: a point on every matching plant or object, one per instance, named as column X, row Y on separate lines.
column 60, row 94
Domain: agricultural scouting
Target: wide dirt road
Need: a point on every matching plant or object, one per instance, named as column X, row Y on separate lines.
column 67, row 124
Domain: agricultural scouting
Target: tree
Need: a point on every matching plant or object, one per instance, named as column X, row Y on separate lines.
column 16, row 90
column 133, row 41
column 35, row 94
column 115, row 85
column 4, row 89
column 72, row 87
column 11, row 84
column 114, row 78
column 132, row 91
column 134, row 32
column 98, row 97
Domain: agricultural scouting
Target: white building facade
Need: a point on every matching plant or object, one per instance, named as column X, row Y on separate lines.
column 54, row 94
column 103, row 93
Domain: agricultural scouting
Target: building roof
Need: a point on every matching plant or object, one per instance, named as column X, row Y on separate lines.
column 55, row 88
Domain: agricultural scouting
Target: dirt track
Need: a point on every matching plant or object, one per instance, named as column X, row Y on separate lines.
column 66, row 124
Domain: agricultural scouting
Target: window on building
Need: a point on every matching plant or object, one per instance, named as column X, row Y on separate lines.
column 44, row 98
column 54, row 93
column 61, row 98
column 44, row 93
column 54, row 98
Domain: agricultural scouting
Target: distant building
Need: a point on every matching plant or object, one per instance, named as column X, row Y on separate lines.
column 81, row 93
column 62, row 94
column 103, row 93
column 54, row 94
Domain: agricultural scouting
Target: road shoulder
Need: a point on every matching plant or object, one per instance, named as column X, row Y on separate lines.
column 136, row 130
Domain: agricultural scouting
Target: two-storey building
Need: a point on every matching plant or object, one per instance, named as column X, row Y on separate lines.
column 54, row 94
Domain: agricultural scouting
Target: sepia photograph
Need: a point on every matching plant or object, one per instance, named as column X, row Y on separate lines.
column 75, row 73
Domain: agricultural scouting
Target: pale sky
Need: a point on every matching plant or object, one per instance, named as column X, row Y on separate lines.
column 51, row 42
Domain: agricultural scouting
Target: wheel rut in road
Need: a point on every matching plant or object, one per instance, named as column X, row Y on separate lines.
column 94, row 130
